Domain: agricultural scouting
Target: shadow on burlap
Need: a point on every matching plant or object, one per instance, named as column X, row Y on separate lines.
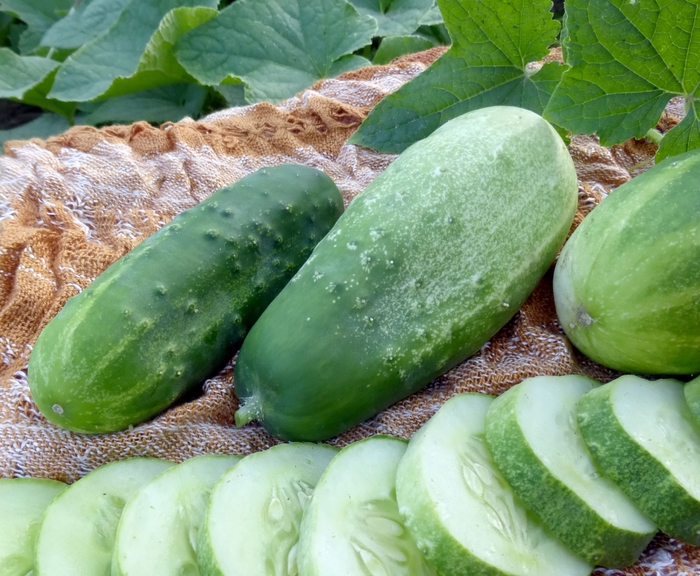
column 73, row 204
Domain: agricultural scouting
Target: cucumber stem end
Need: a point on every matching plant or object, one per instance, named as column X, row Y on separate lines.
column 248, row 411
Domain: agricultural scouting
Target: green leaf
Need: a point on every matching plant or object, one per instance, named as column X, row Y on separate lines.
column 19, row 74
column 397, row 18
column 627, row 60
column 92, row 70
column 84, row 22
column 277, row 47
column 39, row 15
column 683, row 137
column 487, row 65
column 432, row 17
column 396, row 46
column 164, row 104
column 46, row 125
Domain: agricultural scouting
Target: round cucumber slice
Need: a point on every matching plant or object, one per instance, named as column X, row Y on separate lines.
column 532, row 433
column 352, row 525
column 644, row 437
column 461, row 511
column 22, row 504
column 76, row 536
column 252, row 522
column 158, row 529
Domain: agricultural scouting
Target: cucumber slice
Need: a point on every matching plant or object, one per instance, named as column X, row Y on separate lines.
column 252, row 522
column 22, row 504
column 172, row 507
column 352, row 525
column 692, row 397
column 76, row 536
column 532, row 433
column 463, row 514
column 643, row 436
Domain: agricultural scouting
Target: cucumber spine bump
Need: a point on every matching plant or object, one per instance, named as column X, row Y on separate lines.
column 425, row 265
column 172, row 312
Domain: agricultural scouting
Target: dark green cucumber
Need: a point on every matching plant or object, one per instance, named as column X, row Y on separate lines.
column 172, row 312
column 627, row 284
column 426, row 264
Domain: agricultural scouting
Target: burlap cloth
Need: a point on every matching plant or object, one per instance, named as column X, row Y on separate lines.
column 73, row 204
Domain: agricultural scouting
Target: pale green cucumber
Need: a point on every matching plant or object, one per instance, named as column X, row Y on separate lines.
column 76, row 536
column 425, row 265
column 644, row 437
column 533, row 436
column 22, row 505
column 627, row 283
column 462, row 512
column 252, row 521
column 352, row 525
column 158, row 529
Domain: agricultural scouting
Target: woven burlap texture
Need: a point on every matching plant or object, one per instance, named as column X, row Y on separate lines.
column 73, row 204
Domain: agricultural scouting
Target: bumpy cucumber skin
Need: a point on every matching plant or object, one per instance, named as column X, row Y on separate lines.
column 627, row 283
column 566, row 515
column 643, row 478
column 426, row 264
column 171, row 312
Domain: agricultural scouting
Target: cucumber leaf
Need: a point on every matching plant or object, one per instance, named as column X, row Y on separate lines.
column 84, row 22
column 396, row 46
column 277, row 47
column 397, row 18
column 683, row 137
column 22, row 73
column 91, row 71
column 38, row 15
column 48, row 124
column 167, row 103
column 627, row 59
column 486, row 65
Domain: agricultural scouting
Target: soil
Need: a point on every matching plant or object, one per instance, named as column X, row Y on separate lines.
column 13, row 114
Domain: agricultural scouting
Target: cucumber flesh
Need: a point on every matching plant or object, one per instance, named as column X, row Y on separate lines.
column 532, row 432
column 644, row 437
column 22, row 505
column 252, row 522
column 158, row 529
column 352, row 525
column 461, row 511
column 76, row 536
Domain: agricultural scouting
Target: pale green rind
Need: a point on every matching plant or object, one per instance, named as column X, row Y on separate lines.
column 159, row 526
column 532, row 434
column 252, row 522
column 627, row 283
column 426, row 265
column 23, row 502
column 76, row 536
column 643, row 436
column 459, row 508
column 352, row 525
column 691, row 391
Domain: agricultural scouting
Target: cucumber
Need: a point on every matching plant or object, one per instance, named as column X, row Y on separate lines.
column 76, row 535
column 532, row 433
column 352, row 525
column 644, row 437
column 22, row 505
column 461, row 511
column 158, row 529
column 253, row 517
column 171, row 312
column 426, row 264
column 627, row 283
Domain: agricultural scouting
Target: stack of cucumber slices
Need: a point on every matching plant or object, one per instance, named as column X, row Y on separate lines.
column 553, row 477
